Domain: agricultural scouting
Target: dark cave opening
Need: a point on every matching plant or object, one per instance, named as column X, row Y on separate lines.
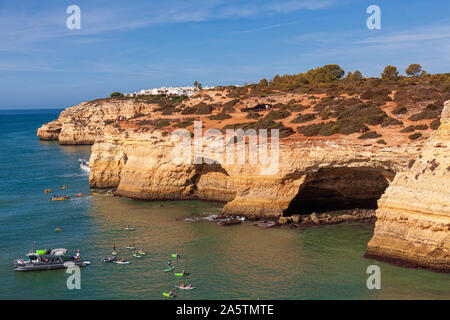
column 331, row 189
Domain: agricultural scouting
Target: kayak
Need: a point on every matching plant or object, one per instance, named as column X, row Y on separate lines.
column 60, row 198
column 142, row 253
column 169, row 269
column 137, row 256
column 181, row 274
column 122, row 262
column 109, row 259
column 167, row 295
column 185, row 288
column 63, row 187
column 130, row 229
column 79, row 195
column 174, row 255
column 47, row 190
column 114, row 253
column 58, row 229
column 131, row 248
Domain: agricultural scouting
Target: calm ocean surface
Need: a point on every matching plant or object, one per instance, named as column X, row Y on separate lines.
column 238, row 262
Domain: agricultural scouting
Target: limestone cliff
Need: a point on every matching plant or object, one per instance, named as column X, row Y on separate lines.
column 413, row 226
column 84, row 123
column 140, row 166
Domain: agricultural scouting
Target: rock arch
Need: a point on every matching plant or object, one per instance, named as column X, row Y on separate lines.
column 340, row 188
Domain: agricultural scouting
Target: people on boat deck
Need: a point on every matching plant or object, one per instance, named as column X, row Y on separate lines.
column 78, row 255
column 183, row 272
column 170, row 293
column 182, row 285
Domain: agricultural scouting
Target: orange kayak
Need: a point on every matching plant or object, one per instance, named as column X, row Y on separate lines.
column 58, row 198
column 63, row 187
column 79, row 195
column 47, row 190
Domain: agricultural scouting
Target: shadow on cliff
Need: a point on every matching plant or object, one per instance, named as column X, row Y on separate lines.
column 330, row 189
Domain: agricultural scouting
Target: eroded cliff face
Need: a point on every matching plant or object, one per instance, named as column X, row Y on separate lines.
column 413, row 219
column 140, row 166
column 84, row 123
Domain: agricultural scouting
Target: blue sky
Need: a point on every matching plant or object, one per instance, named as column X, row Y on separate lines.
column 130, row 45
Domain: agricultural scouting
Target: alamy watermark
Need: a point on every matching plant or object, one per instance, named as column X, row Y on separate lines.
column 74, row 20
column 374, row 20
column 73, row 281
column 374, row 280
column 213, row 147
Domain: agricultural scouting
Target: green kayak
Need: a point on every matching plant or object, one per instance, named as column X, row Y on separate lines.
column 137, row 256
column 169, row 269
column 168, row 295
column 181, row 274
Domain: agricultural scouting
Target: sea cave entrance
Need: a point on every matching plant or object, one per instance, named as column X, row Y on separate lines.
column 331, row 189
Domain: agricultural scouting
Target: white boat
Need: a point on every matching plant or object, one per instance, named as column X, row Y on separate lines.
column 85, row 166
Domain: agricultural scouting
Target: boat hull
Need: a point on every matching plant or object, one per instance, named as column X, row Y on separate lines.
column 52, row 266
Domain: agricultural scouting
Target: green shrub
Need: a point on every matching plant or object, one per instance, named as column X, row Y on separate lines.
column 435, row 124
column 277, row 115
column 388, row 121
column 381, row 141
column 369, row 135
column 421, row 127
column 408, row 129
column 220, row 116
column 297, row 108
column 311, row 130
column 228, row 109
column 424, row 115
column 116, row 94
column 163, row 123
column 253, row 115
column 262, row 124
column 415, row 136
column 201, row 108
column 183, row 124
column 231, row 103
column 400, row 110
column 304, row 118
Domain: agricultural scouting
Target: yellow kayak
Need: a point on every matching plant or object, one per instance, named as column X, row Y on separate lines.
column 60, row 198
column 47, row 190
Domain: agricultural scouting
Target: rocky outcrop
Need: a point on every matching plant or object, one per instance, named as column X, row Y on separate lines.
column 140, row 166
column 314, row 219
column 84, row 123
column 413, row 219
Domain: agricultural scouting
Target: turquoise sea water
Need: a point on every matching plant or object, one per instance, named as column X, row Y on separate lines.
column 238, row 262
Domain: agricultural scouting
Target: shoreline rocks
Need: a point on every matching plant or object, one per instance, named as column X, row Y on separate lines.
column 315, row 219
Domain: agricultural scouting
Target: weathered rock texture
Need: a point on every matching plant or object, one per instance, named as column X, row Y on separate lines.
column 413, row 219
column 310, row 176
column 84, row 123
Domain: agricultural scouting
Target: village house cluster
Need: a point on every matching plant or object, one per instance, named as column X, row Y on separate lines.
column 171, row 91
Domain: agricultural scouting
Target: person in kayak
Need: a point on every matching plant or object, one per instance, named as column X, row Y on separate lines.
column 171, row 293
column 169, row 264
column 189, row 285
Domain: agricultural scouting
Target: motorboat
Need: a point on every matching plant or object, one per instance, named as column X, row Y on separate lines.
column 48, row 260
